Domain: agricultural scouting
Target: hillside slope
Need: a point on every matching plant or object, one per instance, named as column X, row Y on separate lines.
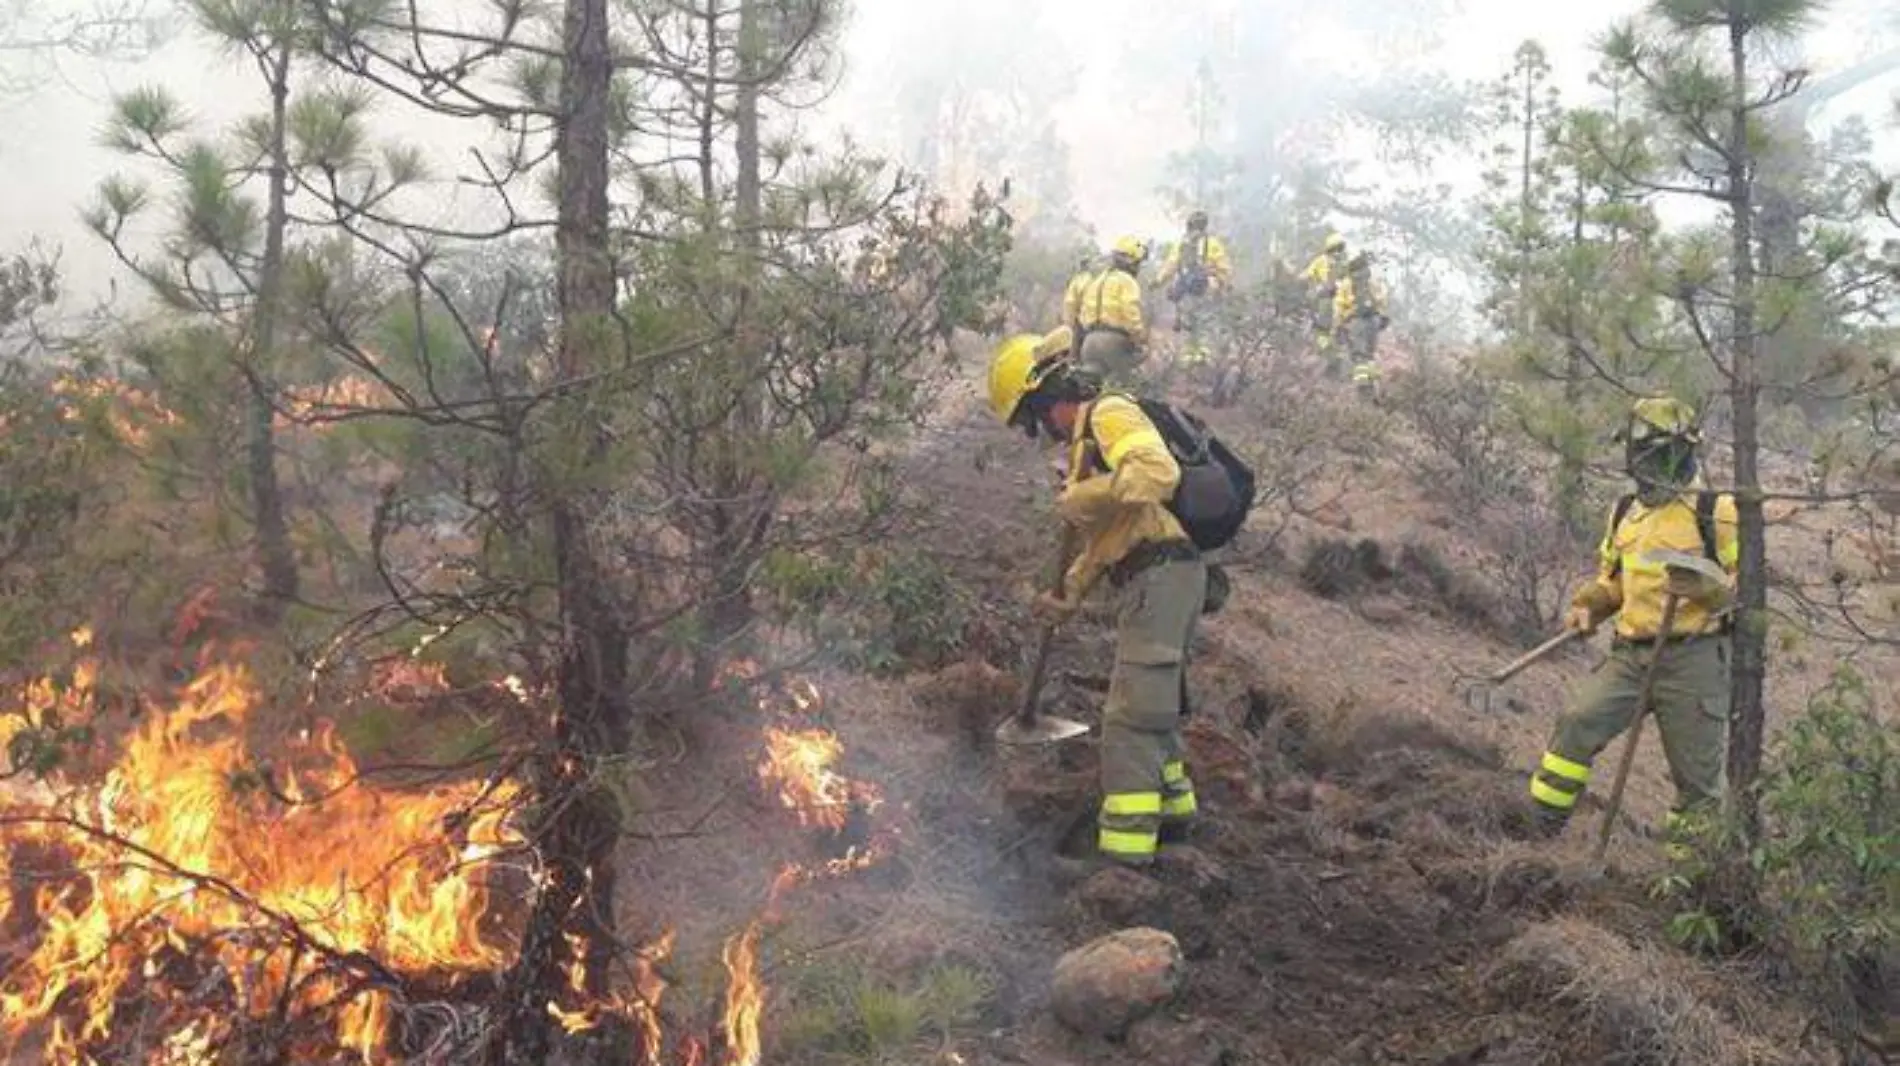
column 1354, row 898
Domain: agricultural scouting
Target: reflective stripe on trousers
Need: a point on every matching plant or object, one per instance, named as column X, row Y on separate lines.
column 1559, row 782
column 1177, row 792
column 1130, row 825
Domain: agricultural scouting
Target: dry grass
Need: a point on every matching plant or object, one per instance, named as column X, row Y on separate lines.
column 1624, row 1003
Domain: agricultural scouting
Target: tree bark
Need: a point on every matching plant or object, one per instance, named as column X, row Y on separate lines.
column 1570, row 464
column 1748, row 677
column 1524, row 318
column 734, row 513
column 275, row 558
column 581, row 826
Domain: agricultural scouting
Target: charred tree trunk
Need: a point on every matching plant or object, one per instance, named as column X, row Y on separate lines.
column 275, row 558
column 579, row 821
column 1750, row 659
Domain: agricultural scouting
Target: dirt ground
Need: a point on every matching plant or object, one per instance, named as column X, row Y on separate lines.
column 1353, row 899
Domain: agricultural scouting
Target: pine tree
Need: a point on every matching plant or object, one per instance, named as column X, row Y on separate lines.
column 227, row 256
column 1701, row 69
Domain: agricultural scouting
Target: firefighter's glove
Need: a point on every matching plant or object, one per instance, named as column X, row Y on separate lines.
column 1052, row 608
column 1589, row 607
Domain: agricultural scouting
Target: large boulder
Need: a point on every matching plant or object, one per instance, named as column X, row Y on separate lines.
column 1108, row 984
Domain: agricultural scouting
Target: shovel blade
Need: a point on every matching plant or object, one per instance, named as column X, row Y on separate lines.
column 1676, row 560
column 1043, row 730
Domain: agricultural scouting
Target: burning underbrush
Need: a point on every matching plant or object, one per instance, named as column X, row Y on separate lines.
column 196, row 902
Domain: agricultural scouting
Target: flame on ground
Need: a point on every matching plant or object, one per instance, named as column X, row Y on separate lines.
column 196, row 892
column 799, row 765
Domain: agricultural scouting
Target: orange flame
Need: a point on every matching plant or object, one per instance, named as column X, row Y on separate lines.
column 282, row 883
column 346, row 394
column 799, row 764
column 180, row 852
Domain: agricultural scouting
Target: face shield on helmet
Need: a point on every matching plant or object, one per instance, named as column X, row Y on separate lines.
column 1659, row 446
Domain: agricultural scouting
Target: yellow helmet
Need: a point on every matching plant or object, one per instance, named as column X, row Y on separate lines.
column 1662, row 416
column 1133, row 249
column 1012, row 374
column 1335, row 243
column 1055, row 344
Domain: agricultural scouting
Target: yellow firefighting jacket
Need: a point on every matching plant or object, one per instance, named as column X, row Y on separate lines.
column 1626, row 584
column 1072, row 297
column 1121, row 477
column 1319, row 272
column 1347, row 299
column 1213, row 259
column 1111, row 300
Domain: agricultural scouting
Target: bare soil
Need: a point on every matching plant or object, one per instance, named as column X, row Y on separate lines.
column 1355, row 896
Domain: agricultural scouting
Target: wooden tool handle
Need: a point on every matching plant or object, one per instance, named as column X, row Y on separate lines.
column 1039, row 666
column 1518, row 664
column 1644, row 696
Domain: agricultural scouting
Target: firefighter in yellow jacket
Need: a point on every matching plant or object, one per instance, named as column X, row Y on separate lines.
column 1358, row 319
column 1322, row 277
column 1691, row 695
column 1120, row 477
column 1108, row 319
column 1194, row 271
column 1072, row 293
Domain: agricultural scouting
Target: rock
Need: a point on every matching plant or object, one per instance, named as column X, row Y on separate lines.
column 1179, row 1042
column 1108, row 984
column 1120, row 896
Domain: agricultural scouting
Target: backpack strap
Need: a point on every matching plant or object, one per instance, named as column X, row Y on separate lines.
column 1091, row 448
column 1617, row 514
column 1705, row 524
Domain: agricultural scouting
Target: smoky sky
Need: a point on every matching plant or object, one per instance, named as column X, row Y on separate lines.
column 1110, row 80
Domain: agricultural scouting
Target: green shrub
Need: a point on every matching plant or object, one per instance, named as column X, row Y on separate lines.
column 1822, row 883
column 1830, row 853
column 837, row 1013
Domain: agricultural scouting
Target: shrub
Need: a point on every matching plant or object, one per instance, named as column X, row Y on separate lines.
column 1826, row 869
column 839, row 1014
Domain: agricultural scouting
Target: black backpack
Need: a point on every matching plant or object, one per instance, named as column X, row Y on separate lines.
column 1216, row 492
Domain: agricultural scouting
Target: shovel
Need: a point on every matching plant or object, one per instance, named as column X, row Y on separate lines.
column 1673, row 560
column 1027, row 726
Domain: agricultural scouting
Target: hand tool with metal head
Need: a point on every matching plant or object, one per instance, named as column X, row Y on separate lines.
column 1478, row 690
column 1672, row 560
column 1028, row 726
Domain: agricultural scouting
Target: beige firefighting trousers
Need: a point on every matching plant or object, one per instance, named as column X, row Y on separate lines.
column 1144, row 770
